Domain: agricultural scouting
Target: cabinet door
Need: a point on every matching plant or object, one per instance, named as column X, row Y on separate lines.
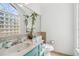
column 36, row 51
column 33, row 52
column 39, row 49
column 29, row 53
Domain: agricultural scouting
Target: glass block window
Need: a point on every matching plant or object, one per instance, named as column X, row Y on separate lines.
column 8, row 19
column 7, row 7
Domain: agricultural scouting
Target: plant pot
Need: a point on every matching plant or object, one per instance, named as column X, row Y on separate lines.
column 30, row 36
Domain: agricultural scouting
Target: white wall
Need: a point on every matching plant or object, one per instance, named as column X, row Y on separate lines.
column 35, row 7
column 57, row 22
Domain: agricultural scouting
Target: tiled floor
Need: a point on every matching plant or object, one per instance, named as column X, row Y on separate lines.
column 56, row 54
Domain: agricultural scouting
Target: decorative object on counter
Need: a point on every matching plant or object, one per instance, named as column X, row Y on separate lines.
column 1, row 45
column 37, row 40
column 8, row 44
column 43, row 34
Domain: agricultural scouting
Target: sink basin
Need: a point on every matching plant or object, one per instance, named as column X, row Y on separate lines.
column 15, row 49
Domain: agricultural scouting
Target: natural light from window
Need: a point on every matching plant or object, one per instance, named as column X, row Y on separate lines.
column 7, row 7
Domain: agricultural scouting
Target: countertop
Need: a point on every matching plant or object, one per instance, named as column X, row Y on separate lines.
column 20, row 49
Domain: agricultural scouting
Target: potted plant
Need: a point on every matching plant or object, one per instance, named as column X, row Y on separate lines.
column 33, row 16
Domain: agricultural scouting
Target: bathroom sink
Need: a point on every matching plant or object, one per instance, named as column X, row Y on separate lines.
column 15, row 49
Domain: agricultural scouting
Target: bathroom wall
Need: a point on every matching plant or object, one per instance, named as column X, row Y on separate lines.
column 35, row 7
column 57, row 22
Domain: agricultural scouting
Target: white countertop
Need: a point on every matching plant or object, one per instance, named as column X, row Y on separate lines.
column 19, row 50
column 22, row 52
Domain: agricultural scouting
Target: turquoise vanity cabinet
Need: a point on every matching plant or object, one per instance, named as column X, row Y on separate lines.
column 35, row 51
column 39, row 49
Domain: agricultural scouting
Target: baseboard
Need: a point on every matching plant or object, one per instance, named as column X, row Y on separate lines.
column 61, row 53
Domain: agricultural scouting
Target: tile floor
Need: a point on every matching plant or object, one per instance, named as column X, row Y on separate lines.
column 56, row 54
